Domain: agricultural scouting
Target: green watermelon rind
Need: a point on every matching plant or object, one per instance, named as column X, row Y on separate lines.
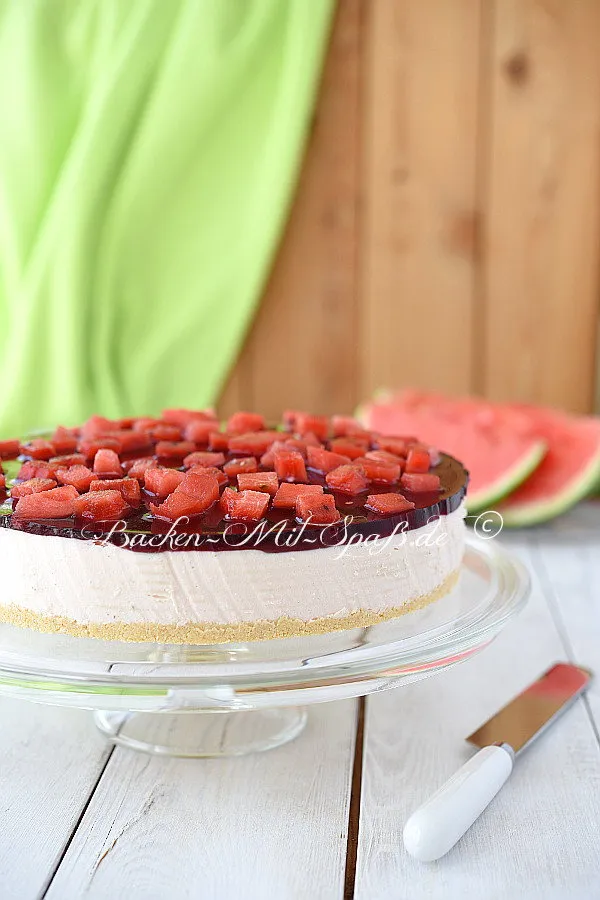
column 509, row 481
column 528, row 514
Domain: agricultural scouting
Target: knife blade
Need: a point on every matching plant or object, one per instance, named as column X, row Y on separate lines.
column 442, row 820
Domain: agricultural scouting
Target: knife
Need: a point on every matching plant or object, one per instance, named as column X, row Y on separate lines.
column 442, row 820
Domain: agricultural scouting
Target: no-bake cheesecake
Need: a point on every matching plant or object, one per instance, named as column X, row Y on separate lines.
column 181, row 529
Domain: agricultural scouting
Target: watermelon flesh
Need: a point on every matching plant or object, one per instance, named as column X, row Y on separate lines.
column 499, row 448
column 569, row 471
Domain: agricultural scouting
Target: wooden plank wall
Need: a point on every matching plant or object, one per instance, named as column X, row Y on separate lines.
column 446, row 228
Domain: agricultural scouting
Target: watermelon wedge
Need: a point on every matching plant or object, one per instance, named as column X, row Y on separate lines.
column 569, row 471
column 498, row 447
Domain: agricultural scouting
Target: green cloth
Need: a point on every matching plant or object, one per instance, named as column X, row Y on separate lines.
column 149, row 151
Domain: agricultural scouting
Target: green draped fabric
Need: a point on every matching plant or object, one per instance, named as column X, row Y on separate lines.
column 149, row 150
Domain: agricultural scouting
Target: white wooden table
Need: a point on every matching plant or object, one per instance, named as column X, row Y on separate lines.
column 322, row 817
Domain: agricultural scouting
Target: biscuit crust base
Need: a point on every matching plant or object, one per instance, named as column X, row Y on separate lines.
column 201, row 633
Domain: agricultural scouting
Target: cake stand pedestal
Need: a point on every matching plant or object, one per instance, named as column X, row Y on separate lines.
column 231, row 699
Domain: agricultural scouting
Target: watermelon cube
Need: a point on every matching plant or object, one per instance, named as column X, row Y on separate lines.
column 417, row 461
column 379, row 470
column 264, row 482
column 136, row 468
column 398, row 445
column 199, row 430
column 254, row 442
column 346, row 447
column 267, row 460
column 36, row 469
column 324, row 460
column 289, row 418
column 183, row 417
column 203, row 458
column 134, row 441
column 420, row 484
column 145, row 423
column 226, row 501
column 198, row 495
column 33, row 486
column 164, row 432
column 9, row 449
column 244, row 422
column 2, row 482
column 385, row 456
column 201, row 486
column 317, row 425
column 101, row 506
column 289, row 466
column 128, row 488
column 174, row 449
column 97, row 426
column 106, row 462
column 161, row 481
column 64, row 440
column 46, row 505
column 71, row 459
column 343, row 425
column 388, row 504
column 126, row 424
column 218, row 440
column 248, row 505
column 89, row 448
column 38, row 449
column 219, row 474
column 318, row 509
column 348, row 480
column 287, row 494
column 239, row 466
column 80, row 477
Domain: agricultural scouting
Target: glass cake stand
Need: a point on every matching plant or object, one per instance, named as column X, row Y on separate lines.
column 231, row 699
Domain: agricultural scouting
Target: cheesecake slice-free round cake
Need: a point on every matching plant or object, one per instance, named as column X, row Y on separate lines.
column 181, row 530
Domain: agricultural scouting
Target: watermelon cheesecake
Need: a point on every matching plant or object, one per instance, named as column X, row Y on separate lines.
column 181, row 529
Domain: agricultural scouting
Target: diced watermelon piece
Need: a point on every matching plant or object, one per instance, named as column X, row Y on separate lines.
column 379, row 470
column 58, row 503
column 385, row 456
column 398, row 445
column 136, row 468
column 80, row 477
column 71, row 459
column 248, row 505
column 38, row 449
column 134, row 441
column 324, row 460
column 219, row 474
column 254, row 442
column 182, row 417
column 417, row 461
column 203, row 458
column 244, row 422
column 264, row 482
column 347, row 479
column 343, row 425
column 239, row 466
column 174, row 449
column 199, row 430
column 226, row 501
column 318, row 509
column 388, row 504
column 348, row 448
column 9, row 449
column 162, row 481
column 89, row 448
column 317, row 425
column 33, row 486
column 101, row 506
column 36, row 469
column 64, row 439
column 145, row 423
column 106, row 462
column 126, row 424
column 218, row 440
column 289, row 466
column 128, row 488
column 164, row 432
column 287, row 494
column 268, row 459
column 97, row 426
column 289, row 418
column 2, row 482
column 201, row 491
column 419, row 484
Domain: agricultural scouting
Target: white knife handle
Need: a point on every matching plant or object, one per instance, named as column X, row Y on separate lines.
column 443, row 819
